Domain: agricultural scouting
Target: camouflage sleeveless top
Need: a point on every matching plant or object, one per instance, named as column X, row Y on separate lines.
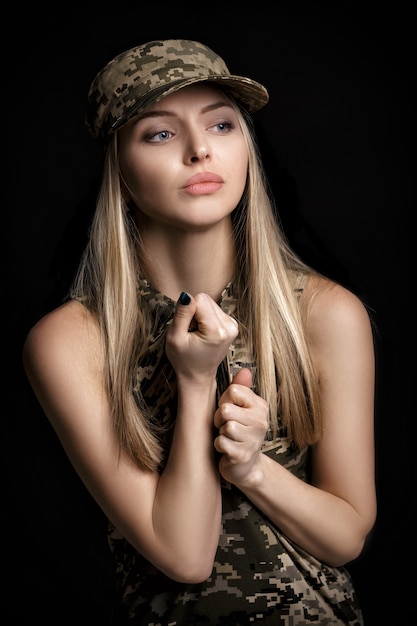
column 259, row 576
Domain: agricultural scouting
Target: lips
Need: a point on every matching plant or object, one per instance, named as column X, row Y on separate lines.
column 203, row 177
column 203, row 183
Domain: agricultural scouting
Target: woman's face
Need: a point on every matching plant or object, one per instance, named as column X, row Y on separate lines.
column 184, row 161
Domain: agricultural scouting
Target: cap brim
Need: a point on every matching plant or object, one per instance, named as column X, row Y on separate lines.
column 251, row 94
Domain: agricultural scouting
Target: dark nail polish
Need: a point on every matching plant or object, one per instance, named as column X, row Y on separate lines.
column 184, row 298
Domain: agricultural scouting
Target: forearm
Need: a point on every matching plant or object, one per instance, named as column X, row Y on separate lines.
column 187, row 506
column 323, row 524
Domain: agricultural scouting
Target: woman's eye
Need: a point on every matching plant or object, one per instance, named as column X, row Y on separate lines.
column 223, row 127
column 161, row 135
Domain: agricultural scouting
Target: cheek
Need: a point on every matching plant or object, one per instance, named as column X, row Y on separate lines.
column 241, row 164
column 138, row 175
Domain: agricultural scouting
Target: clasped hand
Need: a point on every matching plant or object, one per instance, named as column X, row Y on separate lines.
column 197, row 342
column 198, row 339
column 242, row 422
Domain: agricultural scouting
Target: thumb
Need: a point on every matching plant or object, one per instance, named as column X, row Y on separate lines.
column 243, row 377
column 184, row 312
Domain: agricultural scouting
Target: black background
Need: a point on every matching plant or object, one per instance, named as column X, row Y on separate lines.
column 338, row 139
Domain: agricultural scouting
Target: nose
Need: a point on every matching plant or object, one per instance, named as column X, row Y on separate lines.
column 198, row 148
column 200, row 154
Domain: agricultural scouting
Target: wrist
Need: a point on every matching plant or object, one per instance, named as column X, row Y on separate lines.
column 254, row 479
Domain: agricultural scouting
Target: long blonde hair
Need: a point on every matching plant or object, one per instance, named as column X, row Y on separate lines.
column 268, row 310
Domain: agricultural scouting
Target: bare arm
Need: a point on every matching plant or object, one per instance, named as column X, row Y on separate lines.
column 173, row 519
column 331, row 517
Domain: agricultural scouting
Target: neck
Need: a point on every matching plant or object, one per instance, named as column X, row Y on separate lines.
column 198, row 261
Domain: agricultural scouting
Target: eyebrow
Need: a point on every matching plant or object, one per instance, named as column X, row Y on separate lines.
column 206, row 109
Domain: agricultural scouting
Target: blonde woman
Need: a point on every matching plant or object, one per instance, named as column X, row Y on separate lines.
column 214, row 393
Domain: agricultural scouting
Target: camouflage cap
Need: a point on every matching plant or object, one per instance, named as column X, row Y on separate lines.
column 143, row 75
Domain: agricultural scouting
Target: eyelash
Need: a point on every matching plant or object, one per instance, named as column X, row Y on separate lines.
column 151, row 138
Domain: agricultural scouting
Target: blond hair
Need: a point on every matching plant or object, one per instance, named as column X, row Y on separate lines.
column 268, row 310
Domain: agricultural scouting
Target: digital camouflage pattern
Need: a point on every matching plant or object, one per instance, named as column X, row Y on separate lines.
column 143, row 75
column 259, row 576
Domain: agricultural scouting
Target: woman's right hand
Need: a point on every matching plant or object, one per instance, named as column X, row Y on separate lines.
column 199, row 337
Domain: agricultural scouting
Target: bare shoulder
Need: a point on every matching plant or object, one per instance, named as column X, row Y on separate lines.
column 69, row 330
column 337, row 319
column 331, row 302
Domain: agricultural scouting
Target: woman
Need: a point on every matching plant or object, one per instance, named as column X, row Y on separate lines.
column 213, row 392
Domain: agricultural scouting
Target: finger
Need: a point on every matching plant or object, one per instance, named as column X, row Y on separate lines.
column 225, row 445
column 243, row 377
column 233, row 430
column 213, row 323
column 184, row 313
column 230, row 411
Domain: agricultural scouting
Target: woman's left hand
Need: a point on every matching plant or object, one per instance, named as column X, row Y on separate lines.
column 242, row 422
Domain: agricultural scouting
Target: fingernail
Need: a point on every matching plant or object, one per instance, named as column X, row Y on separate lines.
column 184, row 298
